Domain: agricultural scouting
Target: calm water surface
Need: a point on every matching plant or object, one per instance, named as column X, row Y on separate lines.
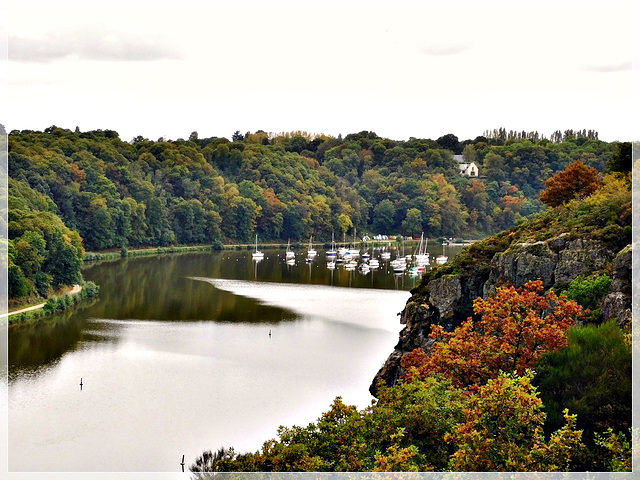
column 175, row 358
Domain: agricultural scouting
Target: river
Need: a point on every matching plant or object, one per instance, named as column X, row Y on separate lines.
column 182, row 353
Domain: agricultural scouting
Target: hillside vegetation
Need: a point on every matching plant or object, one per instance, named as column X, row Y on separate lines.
column 71, row 191
column 530, row 381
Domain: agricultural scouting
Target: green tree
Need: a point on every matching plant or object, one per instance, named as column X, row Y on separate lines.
column 412, row 224
column 469, row 153
column 588, row 291
column 345, row 223
column 503, row 431
column 384, row 216
column 620, row 160
column 240, row 219
column 592, row 377
column 18, row 284
column 450, row 142
column 30, row 252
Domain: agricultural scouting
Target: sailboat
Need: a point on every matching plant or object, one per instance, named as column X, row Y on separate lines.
column 332, row 252
column 290, row 253
column 311, row 252
column 258, row 255
column 422, row 256
column 440, row 259
column 399, row 264
column 343, row 251
column 354, row 252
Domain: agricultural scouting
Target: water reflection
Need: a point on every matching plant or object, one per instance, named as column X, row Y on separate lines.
column 175, row 358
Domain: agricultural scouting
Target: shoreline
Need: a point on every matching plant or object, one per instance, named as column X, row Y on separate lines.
column 115, row 253
column 74, row 291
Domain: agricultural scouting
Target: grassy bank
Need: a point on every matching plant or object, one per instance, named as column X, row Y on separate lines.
column 54, row 304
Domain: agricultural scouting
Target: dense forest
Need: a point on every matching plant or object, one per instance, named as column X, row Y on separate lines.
column 73, row 191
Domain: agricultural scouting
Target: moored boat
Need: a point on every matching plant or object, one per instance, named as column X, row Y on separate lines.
column 311, row 252
column 257, row 254
column 440, row 259
column 290, row 253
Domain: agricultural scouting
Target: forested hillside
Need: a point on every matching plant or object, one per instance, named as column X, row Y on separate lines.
column 117, row 193
column 515, row 356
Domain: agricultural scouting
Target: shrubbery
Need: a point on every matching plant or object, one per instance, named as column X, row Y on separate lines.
column 589, row 291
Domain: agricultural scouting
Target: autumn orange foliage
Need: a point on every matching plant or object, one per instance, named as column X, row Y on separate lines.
column 575, row 181
column 517, row 326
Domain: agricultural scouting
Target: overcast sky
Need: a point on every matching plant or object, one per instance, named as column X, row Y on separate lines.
column 401, row 69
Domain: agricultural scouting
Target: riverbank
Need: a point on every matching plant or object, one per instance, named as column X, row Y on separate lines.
column 57, row 303
column 125, row 252
column 76, row 289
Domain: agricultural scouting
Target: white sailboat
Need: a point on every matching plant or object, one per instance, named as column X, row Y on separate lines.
column 311, row 252
column 422, row 256
column 257, row 254
column 290, row 253
column 440, row 259
column 353, row 251
column 332, row 252
column 399, row 264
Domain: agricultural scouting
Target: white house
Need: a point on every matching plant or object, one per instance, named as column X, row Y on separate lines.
column 468, row 169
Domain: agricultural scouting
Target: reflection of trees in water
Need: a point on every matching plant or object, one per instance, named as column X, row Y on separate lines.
column 41, row 341
column 160, row 288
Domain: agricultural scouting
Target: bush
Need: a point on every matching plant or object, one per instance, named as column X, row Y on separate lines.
column 591, row 377
column 50, row 306
column 588, row 292
column 89, row 289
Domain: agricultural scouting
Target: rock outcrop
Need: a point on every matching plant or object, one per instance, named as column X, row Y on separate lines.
column 446, row 297
column 617, row 303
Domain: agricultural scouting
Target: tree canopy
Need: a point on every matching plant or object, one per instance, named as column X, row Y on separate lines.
column 142, row 193
column 577, row 180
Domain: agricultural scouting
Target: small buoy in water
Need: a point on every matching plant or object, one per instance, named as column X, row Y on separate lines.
column 269, row 333
column 182, row 463
column 80, row 383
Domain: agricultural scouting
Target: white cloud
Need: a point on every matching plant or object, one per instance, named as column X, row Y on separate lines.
column 609, row 67
column 95, row 43
column 445, row 49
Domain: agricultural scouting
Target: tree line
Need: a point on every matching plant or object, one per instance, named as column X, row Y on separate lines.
column 72, row 191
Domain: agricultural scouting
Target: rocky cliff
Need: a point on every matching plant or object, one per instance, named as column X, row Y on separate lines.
column 446, row 294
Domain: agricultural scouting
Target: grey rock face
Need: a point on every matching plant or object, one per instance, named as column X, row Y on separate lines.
column 444, row 293
column 447, row 300
column 581, row 256
column 622, row 266
column 617, row 303
column 521, row 263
